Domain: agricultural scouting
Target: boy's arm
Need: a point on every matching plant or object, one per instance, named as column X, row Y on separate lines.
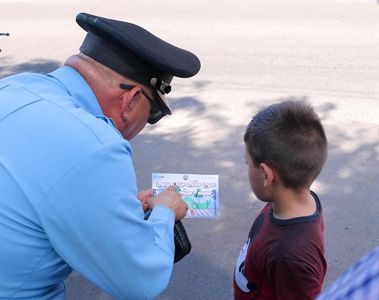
column 296, row 280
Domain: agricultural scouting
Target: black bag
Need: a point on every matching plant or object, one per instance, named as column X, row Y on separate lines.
column 181, row 240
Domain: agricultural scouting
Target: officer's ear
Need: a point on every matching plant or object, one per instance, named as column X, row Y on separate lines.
column 129, row 101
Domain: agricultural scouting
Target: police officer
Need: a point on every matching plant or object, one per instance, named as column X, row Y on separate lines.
column 69, row 196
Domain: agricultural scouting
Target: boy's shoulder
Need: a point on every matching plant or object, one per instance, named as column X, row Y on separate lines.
column 297, row 236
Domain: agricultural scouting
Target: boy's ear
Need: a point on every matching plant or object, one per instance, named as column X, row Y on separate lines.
column 128, row 102
column 268, row 174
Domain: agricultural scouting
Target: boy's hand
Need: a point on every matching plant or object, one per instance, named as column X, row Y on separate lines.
column 171, row 199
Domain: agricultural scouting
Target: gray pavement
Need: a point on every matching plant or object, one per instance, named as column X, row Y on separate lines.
column 253, row 53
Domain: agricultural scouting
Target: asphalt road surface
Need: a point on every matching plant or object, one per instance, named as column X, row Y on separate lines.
column 253, row 53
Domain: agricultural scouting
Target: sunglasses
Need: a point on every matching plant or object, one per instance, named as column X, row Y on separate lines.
column 156, row 112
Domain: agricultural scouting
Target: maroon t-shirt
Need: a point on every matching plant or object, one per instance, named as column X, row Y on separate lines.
column 282, row 259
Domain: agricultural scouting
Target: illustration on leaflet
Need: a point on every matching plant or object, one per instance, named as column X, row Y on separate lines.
column 200, row 192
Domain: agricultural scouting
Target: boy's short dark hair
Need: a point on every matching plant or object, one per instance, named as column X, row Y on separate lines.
column 290, row 138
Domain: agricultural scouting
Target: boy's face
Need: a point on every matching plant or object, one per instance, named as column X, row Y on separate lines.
column 256, row 177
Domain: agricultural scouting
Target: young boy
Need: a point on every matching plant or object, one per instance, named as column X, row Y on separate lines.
column 283, row 258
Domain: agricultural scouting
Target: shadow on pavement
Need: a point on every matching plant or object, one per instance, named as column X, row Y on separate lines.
column 37, row 65
column 346, row 188
column 352, row 167
column 349, row 193
column 347, row 179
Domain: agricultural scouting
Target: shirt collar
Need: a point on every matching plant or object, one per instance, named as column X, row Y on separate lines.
column 78, row 88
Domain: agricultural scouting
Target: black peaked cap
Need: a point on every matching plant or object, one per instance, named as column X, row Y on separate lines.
column 137, row 52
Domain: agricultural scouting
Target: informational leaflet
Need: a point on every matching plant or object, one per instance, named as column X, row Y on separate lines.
column 200, row 192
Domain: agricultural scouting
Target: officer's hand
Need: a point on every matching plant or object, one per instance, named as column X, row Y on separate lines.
column 171, row 199
column 144, row 197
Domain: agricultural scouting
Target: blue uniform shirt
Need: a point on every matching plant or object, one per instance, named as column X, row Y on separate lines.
column 68, row 196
